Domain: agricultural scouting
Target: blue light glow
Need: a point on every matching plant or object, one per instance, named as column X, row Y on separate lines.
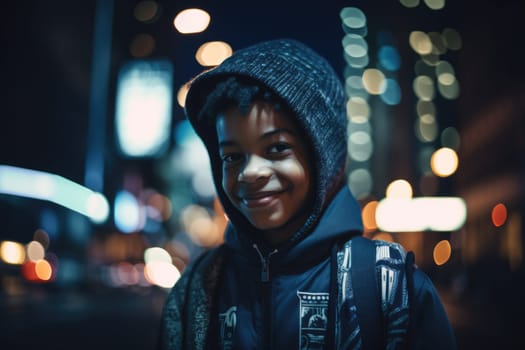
column 54, row 188
column 127, row 212
column 392, row 93
column 389, row 58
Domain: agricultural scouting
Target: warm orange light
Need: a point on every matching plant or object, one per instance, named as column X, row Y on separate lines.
column 181, row 94
column 499, row 215
column 369, row 215
column 37, row 271
column 43, row 270
column 442, row 252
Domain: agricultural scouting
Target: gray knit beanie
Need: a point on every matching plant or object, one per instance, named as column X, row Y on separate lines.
column 313, row 92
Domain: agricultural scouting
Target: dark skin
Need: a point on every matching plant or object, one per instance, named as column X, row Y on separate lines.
column 265, row 169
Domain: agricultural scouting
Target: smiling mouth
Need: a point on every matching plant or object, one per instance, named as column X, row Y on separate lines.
column 258, row 200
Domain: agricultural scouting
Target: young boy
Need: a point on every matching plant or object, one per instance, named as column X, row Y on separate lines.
column 273, row 119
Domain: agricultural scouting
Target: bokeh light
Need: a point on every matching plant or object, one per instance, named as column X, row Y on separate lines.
column 392, row 94
column 181, row 94
column 146, row 11
column 42, row 237
column 450, row 138
column 409, row 3
column 360, row 182
column 389, row 58
column 439, row 46
column 452, row 38
column 157, row 254
column 420, row 42
column 358, row 110
column 161, row 205
column 191, row 21
column 360, row 146
column 435, row 4
column 142, row 45
column 424, row 88
column 43, row 270
column 499, row 214
column 425, row 107
column 213, row 53
column 12, row 252
column 399, row 189
column 448, row 86
column 355, row 45
column 426, row 128
column 374, row 81
column 421, row 214
column 128, row 214
column 162, row 274
column 442, row 252
column 35, row 251
column 97, row 207
column 369, row 215
column 444, row 162
column 352, row 18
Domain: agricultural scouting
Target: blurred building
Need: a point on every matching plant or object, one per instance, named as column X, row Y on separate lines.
column 85, row 77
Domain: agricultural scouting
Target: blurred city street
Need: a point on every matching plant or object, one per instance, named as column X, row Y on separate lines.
column 106, row 193
column 128, row 319
column 89, row 319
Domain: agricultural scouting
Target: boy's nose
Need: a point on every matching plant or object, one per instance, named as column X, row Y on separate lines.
column 255, row 168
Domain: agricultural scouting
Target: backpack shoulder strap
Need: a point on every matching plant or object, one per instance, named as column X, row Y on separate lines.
column 366, row 292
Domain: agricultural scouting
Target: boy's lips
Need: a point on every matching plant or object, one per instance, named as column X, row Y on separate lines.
column 259, row 199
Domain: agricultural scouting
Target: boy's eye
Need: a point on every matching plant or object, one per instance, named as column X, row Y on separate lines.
column 231, row 157
column 278, row 148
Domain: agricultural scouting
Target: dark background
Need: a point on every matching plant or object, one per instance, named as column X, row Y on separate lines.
column 46, row 66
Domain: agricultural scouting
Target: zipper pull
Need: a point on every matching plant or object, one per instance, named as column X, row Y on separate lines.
column 265, row 263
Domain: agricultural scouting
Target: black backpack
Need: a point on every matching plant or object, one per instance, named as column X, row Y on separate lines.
column 364, row 280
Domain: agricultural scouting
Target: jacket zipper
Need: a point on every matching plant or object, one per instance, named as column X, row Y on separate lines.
column 267, row 296
column 265, row 263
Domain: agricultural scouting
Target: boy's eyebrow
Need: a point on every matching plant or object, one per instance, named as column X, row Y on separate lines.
column 226, row 143
column 278, row 131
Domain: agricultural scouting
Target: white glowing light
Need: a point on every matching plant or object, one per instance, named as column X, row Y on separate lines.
column 143, row 107
column 421, row 214
column 97, row 207
column 162, row 274
column 12, row 252
column 157, row 254
column 444, row 162
column 191, row 21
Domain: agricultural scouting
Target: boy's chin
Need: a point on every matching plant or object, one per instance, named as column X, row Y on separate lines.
column 275, row 231
column 266, row 225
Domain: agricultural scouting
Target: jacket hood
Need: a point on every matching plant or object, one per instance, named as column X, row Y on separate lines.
column 307, row 83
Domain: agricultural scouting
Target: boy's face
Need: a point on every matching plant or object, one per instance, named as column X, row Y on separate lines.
column 265, row 169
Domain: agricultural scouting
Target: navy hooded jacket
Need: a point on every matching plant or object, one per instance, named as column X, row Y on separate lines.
column 227, row 300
